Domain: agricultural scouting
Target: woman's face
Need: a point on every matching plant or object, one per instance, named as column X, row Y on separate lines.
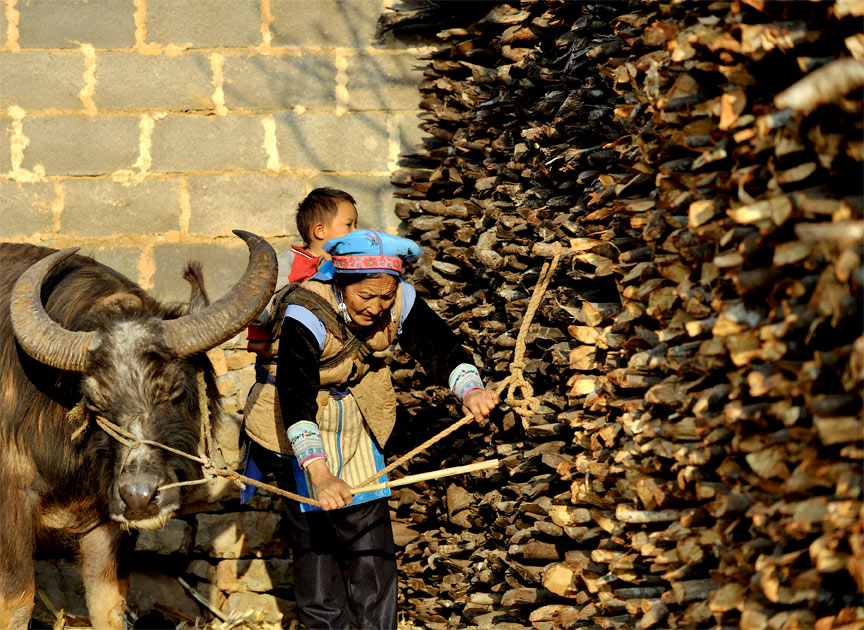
column 368, row 299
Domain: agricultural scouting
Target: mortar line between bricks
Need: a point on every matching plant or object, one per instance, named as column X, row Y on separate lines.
column 134, row 240
column 151, row 175
column 266, row 19
column 12, row 35
column 201, row 113
column 251, row 51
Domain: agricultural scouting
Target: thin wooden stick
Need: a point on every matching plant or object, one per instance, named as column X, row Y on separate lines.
column 435, row 474
column 168, row 610
column 201, row 600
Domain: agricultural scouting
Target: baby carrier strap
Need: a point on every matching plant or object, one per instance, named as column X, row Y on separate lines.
column 293, row 293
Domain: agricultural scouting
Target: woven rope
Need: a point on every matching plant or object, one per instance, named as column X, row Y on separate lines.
column 525, row 405
column 79, row 413
column 528, row 403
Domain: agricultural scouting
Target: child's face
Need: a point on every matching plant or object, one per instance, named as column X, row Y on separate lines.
column 343, row 223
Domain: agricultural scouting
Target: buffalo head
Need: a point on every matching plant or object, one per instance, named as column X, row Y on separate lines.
column 140, row 366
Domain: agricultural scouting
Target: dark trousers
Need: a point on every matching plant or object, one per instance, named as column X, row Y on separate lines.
column 344, row 560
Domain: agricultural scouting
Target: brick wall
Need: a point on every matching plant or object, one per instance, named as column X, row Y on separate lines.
column 146, row 130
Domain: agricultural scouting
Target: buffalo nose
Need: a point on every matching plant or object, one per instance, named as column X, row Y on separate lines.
column 138, row 492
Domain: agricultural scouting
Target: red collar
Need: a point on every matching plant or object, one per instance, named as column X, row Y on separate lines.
column 302, row 252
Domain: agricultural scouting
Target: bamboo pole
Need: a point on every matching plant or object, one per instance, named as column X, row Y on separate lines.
column 435, row 474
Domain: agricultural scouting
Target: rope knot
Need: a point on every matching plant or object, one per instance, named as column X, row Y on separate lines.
column 78, row 413
column 209, row 470
column 528, row 404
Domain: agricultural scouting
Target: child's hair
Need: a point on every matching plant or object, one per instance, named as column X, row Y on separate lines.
column 319, row 206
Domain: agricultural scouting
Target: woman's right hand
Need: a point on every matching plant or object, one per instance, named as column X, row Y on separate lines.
column 480, row 403
column 332, row 492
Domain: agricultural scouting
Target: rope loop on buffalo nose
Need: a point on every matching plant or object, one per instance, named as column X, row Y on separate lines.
column 209, row 470
column 130, row 440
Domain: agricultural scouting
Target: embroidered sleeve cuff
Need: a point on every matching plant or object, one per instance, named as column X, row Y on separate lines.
column 306, row 441
column 463, row 379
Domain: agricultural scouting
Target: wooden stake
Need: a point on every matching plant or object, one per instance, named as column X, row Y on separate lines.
column 435, row 474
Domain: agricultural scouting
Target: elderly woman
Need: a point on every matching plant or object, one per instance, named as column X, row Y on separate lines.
column 338, row 408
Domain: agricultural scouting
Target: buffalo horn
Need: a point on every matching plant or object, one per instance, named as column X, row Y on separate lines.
column 198, row 332
column 40, row 336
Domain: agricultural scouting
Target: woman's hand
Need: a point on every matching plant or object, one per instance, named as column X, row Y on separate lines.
column 480, row 403
column 332, row 492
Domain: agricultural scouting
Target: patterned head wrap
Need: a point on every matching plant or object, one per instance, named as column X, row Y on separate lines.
column 368, row 251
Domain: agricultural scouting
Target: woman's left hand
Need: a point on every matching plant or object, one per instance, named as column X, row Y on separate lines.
column 480, row 403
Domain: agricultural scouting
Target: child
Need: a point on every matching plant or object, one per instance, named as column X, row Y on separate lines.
column 324, row 214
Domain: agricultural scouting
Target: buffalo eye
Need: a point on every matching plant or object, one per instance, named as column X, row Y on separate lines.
column 169, row 392
column 94, row 399
column 170, row 383
column 176, row 394
column 93, row 407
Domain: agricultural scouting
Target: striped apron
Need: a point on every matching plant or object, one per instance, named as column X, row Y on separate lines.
column 352, row 453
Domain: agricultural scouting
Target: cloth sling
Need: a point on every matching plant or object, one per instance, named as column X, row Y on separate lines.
column 293, row 293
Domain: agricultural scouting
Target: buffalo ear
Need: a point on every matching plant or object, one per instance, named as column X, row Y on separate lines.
column 198, row 298
column 219, row 322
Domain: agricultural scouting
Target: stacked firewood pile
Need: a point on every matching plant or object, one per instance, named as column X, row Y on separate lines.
column 696, row 457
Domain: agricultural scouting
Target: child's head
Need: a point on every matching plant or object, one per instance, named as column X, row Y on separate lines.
column 326, row 213
column 258, row 340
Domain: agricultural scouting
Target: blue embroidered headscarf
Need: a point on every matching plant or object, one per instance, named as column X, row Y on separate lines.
column 367, row 251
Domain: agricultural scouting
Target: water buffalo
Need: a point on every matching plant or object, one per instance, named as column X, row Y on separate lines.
column 73, row 330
